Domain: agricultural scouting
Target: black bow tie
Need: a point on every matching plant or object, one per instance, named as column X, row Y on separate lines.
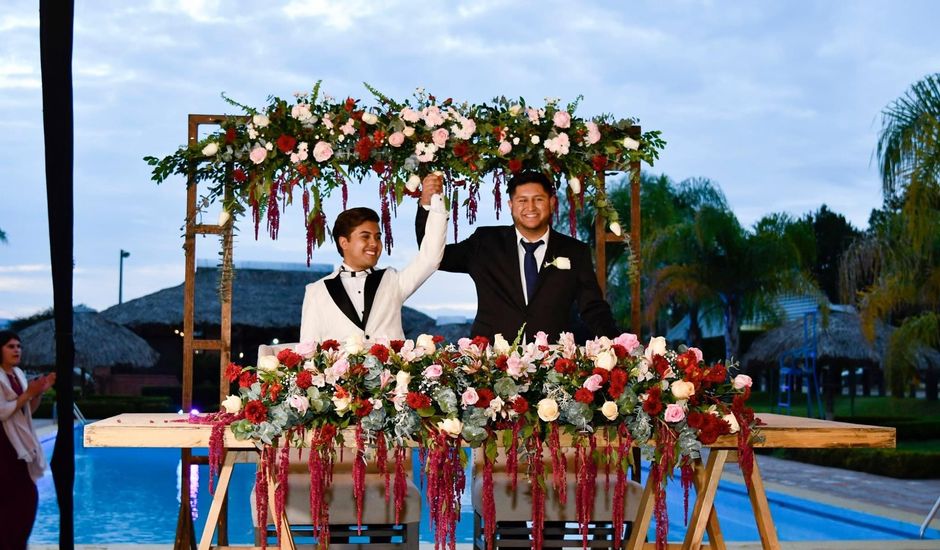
column 345, row 272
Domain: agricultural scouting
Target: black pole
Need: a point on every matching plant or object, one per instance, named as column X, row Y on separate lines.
column 55, row 51
column 124, row 254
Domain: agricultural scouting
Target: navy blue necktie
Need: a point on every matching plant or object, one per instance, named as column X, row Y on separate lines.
column 530, row 267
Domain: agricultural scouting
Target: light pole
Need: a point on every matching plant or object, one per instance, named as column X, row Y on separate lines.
column 124, row 254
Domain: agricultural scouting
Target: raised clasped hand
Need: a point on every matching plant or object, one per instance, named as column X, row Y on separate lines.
column 431, row 185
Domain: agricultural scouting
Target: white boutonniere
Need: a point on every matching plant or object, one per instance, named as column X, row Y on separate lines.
column 560, row 262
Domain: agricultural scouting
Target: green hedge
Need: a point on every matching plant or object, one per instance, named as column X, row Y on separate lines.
column 104, row 406
column 902, row 464
column 908, row 428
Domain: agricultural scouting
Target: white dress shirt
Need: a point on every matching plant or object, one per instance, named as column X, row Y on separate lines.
column 539, row 257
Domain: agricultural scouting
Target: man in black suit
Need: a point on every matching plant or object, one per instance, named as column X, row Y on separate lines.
column 526, row 274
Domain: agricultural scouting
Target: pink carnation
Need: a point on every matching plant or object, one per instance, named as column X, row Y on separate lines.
column 562, row 119
column 594, row 133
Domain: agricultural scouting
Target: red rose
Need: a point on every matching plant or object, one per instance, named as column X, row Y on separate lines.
column 286, row 143
column 484, row 396
column 584, row 395
column 239, row 175
column 605, row 376
column 331, row 345
column 619, row 350
column 461, row 149
column 288, row 358
column 599, row 162
column 246, row 379
column 418, row 400
column 481, row 342
column 363, row 407
column 232, row 372
column 396, row 345
column 230, row 135
column 380, row 352
column 515, row 165
column 437, row 338
column 520, row 405
column 304, row 379
column 256, row 412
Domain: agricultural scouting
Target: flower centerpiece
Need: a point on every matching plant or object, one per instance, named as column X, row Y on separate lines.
column 313, row 144
column 603, row 398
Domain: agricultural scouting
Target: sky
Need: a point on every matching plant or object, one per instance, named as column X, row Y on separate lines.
column 778, row 102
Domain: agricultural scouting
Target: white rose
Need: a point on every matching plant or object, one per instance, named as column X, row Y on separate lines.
column 548, row 409
column 425, row 341
column 224, row 217
column 341, row 403
column 631, row 144
column 260, row 121
column 606, row 360
column 742, row 381
column 211, row 149
column 657, row 346
column 232, row 404
column 733, row 422
column 353, row 344
column 514, row 110
column 413, row 182
column 369, row 118
column 408, row 131
column 536, row 140
column 500, row 345
column 610, row 410
column 682, row 389
column 451, row 426
column 402, row 379
column 615, row 228
column 575, row 185
column 268, row 363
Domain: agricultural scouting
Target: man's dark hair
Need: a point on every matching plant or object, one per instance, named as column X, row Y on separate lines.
column 349, row 220
column 531, row 176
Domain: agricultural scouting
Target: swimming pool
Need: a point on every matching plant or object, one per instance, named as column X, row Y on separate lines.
column 129, row 495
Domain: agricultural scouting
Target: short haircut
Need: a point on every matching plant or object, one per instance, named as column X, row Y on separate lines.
column 531, row 176
column 349, row 220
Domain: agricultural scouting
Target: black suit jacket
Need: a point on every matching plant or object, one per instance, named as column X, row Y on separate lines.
column 491, row 257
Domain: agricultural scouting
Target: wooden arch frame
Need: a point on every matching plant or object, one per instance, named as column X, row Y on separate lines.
column 185, row 535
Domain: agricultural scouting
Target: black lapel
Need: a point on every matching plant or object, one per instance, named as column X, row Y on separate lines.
column 512, row 262
column 551, row 253
column 372, row 285
column 342, row 301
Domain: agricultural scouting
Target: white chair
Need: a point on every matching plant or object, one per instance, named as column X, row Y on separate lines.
column 378, row 517
column 514, row 509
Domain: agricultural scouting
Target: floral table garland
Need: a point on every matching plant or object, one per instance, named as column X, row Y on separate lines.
column 399, row 394
column 313, row 144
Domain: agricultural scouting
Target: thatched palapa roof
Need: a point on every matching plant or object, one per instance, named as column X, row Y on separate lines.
column 98, row 343
column 262, row 298
column 841, row 339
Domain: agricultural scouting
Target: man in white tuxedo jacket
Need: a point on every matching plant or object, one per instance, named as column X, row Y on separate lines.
column 358, row 299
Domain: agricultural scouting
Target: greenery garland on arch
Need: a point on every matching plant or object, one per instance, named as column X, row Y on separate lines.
column 312, row 145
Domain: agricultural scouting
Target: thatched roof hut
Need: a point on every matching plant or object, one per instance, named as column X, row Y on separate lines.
column 261, row 299
column 98, row 343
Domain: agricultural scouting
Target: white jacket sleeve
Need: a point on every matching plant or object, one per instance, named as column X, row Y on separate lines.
column 308, row 316
column 429, row 254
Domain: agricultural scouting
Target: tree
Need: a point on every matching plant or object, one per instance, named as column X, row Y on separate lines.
column 893, row 272
column 833, row 235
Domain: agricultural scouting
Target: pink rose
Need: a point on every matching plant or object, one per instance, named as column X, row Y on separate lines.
column 533, row 115
column 433, row 371
column 305, row 348
column 698, row 354
column 465, row 345
column 541, row 339
column 439, row 137
column 504, row 147
column 322, row 151
column 674, row 413
column 469, row 397
column 258, row 154
column 628, row 341
column 594, row 133
column 562, row 119
column 742, row 381
column 396, row 139
column 593, row 382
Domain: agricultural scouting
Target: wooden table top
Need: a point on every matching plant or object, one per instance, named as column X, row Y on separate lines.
column 173, row 430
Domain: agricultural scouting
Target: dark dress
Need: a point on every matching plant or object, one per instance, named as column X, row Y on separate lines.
column 20, row 496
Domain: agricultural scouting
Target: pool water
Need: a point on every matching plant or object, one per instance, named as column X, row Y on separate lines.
column 132, row 495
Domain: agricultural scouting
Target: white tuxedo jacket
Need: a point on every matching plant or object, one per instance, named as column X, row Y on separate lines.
column 328, row 313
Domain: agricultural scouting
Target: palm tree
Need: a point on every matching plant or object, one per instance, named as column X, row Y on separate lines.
column 893, row 272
